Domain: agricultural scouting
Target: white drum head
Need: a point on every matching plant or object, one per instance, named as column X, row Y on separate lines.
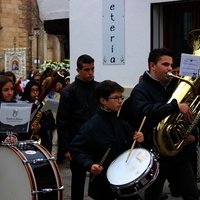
column 14, row 183
column 121, row 172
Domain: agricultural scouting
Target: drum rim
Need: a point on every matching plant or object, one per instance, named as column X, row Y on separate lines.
column 55, row 169
column 140, row 176
column 153, row 163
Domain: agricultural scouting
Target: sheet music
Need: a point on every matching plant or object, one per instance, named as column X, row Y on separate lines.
column 190, row 65
column 15, row 117
column 51, row 104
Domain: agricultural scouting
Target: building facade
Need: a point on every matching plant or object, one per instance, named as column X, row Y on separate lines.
column 19, row 42
column 148, row 24
column 71, row 28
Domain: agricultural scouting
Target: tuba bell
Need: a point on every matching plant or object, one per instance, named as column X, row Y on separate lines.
column 173, row 130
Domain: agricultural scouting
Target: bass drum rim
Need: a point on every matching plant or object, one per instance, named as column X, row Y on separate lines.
column 55, row 169
column 25, row 174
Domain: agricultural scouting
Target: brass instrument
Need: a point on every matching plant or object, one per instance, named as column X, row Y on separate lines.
column 194, row 41
column 171, row 132
column 38, row 101
column 34, row 122
column 38, row 104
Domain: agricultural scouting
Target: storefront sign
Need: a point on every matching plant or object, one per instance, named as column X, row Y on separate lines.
column 113, row 32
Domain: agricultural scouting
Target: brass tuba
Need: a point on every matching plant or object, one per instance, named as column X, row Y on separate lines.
column 173, row 130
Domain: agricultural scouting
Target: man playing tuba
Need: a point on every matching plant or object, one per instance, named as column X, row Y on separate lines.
column 150, row 98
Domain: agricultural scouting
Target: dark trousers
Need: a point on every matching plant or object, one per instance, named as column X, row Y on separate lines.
column 182, row 177
column 77, row 181
column 193, row 161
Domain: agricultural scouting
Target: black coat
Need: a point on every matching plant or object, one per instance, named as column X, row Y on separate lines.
column 77, row 105
column 47, row 123
column 150, row 98
column 3, row 136
column 102, row 131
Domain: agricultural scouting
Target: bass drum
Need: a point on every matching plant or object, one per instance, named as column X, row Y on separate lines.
column 28, row 172
column 131, row 177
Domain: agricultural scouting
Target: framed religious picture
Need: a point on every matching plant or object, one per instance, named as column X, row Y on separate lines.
column 15, row 65
column 15, row 61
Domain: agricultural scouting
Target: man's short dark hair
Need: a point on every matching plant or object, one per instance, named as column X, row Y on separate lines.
column 106, row 88
column 155, row 54
column 84, row 59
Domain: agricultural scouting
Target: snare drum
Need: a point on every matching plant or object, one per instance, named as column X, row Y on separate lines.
column 131, row 177
column 28, row 172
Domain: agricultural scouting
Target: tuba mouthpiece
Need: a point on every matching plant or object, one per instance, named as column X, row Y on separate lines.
column 170, row 74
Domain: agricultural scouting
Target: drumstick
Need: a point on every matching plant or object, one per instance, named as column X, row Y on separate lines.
column 101, row 163
column 135, row 140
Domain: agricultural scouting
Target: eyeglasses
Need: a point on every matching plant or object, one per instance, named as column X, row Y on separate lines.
column 116, row 98
column 36, row 79
column 34, row 90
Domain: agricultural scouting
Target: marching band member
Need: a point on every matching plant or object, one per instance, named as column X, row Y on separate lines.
column 45, row 123
column 7, row 94
column 104, row 130
column 150, row 98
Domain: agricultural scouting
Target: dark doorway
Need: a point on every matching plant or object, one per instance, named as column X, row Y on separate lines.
column 179, row 18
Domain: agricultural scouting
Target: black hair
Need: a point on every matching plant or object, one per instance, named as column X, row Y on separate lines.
column 9, row 73
column 176, row 62
column 155, row 54
column 26, row 95
column 106, row 88
column 84, row 59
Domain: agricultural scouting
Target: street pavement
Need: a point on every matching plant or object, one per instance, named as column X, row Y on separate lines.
column 66, row 180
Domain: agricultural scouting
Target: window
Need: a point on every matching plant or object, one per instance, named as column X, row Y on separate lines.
column 171, row 24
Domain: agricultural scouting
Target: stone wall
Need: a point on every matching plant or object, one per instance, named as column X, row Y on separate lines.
column 12, row 26
column 17, row 19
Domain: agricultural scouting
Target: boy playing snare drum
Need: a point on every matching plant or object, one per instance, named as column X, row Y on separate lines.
column 103, row 132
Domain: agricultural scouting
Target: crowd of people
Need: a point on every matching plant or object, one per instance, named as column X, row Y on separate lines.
column 93, row 126
column 29, row 90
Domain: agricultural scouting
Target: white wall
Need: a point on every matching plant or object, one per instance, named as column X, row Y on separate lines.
column 55, row 9
column 86, row 35
column 86, row 38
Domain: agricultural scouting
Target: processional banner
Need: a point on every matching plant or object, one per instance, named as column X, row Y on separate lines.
column 15, row 61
